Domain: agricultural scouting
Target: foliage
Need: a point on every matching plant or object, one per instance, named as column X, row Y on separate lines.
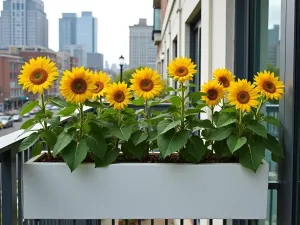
column 127, row 75
column 235, row 128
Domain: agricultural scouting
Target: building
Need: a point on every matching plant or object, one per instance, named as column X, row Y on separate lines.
column 142, row 52
column 67, row 30
column 79, row 52
column 273, row 46
column 73, row 62
column 23, row 22
column 87, row 32
column 94, row 61
column 11, row 93
column 106, row 65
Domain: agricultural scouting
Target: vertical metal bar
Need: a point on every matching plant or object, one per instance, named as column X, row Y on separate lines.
column 181, row 222
column 195, row 222
column 126, row 222
column 152, row 222
column 139, row 222
column 99, row 222
column 113, row 222
column 20, row 192
column 166, row 221
column 9, row 196
column 211, row 222
column 224, row 222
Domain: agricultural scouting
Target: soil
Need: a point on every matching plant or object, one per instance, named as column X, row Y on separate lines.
column 153, row 158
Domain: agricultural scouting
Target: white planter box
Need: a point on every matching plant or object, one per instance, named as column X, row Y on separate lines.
column 144, row 191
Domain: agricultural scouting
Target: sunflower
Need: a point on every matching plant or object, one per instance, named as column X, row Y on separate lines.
column 38, row 75
column 223, row 76
column 118, row 95
column 77, row 85
column 146, row 83
column 269, row 85
column 243, row 95
column 182, row 69
column 214, row 91
column 101, row 81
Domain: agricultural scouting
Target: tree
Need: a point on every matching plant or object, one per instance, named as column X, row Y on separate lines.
column 273, row 69
column 127, row 75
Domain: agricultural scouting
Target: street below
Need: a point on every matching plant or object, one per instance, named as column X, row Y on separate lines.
column 15, row 127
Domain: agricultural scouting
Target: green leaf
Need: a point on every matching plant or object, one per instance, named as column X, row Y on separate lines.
column 234, row 143
column 140, row 101
column 28, row 123
column 272, row 120
column 93, row 104
column 172, row 141
column 138, row 137
column 49, row 137
column 139, row 111
column 74, row 153
column 123, row 133
column 273, row 145
column 163, row 115
column 128, row 148
column 221, row 149
column 37, row 149
column 276, row 158
column 194, row 149
column 29, row 141
column 251, row 155
column 169, row 89
column 96, row 142
column 54, row 121
column 225, row 119
column 192, row 111
column 70, row 124
column 196, row 96
column 171, row 125
column 100, row 122
column 63, row 140
column 201, row 123
column 219, row 134
column 153, row 103
column 110, row 157
column 28, row 106
column 257, row 128
column 59, row 102
column 229, row 110
column 176, row 101
column 67, row 111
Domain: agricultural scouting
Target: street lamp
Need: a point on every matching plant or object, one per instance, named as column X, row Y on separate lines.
column 121, row 60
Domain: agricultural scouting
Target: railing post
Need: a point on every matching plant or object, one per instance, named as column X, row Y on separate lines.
column 9, row 191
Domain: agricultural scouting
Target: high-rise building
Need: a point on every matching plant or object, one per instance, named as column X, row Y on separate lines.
column 67, row 30
column 273, row 46
column 94, row 61
column 23, row 22
column 87, row 32
column 79, row 52
column 142, row 51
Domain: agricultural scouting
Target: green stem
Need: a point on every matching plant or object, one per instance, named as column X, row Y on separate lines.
column 147, row 129
column 45, row 123
column 182, row 106
column 259, row 107
column 81, row 121
column 240, row 124
column 212, row 113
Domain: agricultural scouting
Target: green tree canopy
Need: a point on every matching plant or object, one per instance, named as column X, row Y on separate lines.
column 127, row 75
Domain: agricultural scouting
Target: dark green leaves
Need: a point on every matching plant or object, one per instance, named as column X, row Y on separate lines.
column 37, row 149
column 257, row 128
column 49, row 137
column 28, row 106
column 27, row 124
column 196, row 96
column 124, row 132
column 166, row 125
column 251, row 155
column 110, row 157
column 271, row 119
column 273, row 145
column 225, row 119
column 74, row 153
column 235, row 143
column 138, row 137
column 67, row 111
column 172, row 141
column 219, row 134
column 29, row 141
column 63, row 140
column 138, row 102
column 54, row 121
column 194, row 149
column 59, row 102
column 96, row 142
column 176, row 101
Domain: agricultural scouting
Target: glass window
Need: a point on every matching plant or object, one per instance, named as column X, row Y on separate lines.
column 156, row 18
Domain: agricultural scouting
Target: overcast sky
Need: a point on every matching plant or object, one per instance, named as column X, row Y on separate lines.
column 114, row 18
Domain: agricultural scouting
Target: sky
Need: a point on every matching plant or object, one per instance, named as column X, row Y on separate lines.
column 114, row 18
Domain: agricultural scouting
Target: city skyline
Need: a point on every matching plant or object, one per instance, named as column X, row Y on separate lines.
column 113, row 17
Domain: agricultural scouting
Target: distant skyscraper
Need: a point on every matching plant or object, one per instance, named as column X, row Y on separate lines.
column 23, row 22
column 106, row 65
column 79, row 52
column 94, row 61
column 67, row 30
column 273, row 46
column 141, row 48
column 87, row 32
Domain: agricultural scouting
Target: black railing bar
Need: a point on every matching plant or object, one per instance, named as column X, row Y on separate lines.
column 211, row 222
column 194, row 221
column 166, row 221
column 152, row 222
column 273, row 185
column 139, row 222
column 113, row 222
column 126, row 222
column 181, row 222
column 224, row 222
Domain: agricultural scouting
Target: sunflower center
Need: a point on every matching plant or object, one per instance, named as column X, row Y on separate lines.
column 224, row 81
column 78, row 86
column 119, row 96
column 181, row 71
column 38, row 76
column 243, row 97
column 212, row 94
column 269, row 87
column 99, row 87
column 146, row 85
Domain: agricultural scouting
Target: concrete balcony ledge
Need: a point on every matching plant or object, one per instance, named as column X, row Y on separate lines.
column 157, row 37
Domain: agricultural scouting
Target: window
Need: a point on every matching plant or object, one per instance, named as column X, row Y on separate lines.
column 195, row 51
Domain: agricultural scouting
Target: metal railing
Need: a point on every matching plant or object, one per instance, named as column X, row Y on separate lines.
column 11, row 195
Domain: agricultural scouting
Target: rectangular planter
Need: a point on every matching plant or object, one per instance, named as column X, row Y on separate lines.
column 144, row 191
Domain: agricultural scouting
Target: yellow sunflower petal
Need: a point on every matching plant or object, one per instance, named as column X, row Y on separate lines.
column 182, row 69
column 101, row 81
column 214, row 91
column 223, row 76
column 118, row 95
